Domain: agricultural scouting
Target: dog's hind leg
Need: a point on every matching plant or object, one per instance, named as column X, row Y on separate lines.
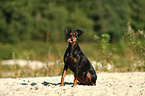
column 89, row 77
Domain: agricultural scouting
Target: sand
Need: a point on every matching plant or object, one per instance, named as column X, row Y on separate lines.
column 108, row 84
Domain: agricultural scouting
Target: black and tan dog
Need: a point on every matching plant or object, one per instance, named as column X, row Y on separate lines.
column 77, row 61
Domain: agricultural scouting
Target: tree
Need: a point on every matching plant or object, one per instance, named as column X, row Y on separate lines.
column 136, row 14
column 109, row 17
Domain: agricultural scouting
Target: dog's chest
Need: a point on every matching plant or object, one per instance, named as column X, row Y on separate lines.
column 70, row 60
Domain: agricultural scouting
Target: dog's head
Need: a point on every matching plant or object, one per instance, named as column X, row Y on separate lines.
column 73, row 35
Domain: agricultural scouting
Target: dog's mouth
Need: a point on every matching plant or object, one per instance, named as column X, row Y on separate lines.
column 72, row 41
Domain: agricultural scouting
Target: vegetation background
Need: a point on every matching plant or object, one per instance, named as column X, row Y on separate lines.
column 34, row 30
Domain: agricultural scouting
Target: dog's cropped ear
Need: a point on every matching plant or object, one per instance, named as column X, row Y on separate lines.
column 80, row 32
column 67, row 31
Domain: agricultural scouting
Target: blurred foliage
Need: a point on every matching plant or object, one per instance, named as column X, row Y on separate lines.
column 25, row 20
column 136, row 14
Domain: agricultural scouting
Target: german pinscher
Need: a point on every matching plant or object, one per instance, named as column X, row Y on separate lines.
column 77, row 61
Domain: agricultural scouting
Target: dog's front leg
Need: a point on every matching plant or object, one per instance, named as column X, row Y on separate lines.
column 76, row 60
column 63, row 74
column 75, row 77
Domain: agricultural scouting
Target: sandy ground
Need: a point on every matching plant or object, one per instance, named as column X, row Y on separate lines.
column 108, row 84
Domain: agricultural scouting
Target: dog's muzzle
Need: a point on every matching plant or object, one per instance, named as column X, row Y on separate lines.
column 69, row 40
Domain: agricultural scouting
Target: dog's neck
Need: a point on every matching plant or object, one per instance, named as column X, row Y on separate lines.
column 73, row 46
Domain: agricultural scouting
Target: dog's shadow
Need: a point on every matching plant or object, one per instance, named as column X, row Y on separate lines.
column 56, row 84
column 51, row 84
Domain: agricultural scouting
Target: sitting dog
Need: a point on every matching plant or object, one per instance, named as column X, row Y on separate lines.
column 77, row 61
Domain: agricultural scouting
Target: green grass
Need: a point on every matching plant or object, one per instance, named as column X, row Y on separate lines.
column 116, row 55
